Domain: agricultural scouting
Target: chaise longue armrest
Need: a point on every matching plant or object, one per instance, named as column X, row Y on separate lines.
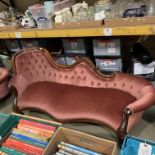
column 146, row 100
column 18, row 83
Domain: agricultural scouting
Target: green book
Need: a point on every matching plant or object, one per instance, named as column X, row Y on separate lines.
column 5, row 128
column 10, row 151
column 28, row 142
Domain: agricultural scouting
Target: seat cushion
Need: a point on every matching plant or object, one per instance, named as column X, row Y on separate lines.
column 73, row 103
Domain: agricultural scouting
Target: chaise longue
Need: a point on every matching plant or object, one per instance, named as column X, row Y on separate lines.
column 78, row 92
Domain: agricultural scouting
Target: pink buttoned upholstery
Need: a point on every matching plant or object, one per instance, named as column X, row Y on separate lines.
column 78, row 92
column 3, row 82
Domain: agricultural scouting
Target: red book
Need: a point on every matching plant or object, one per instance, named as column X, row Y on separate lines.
column 38, row 125
column 23, row 147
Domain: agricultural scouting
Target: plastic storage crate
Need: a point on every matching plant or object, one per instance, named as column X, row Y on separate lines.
column 74, row 46
column 39, row 14
column 27, row 43
column 104, row 47
column 136, row 146
column 60, row 59
column 6, row 61
column 109, row 65
column 70, row 60
column 12, row 45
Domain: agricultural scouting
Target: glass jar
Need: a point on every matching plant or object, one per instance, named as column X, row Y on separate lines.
column 91, row 13
column 68, row 15
column 151, row 8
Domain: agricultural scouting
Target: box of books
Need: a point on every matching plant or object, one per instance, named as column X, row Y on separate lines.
column 20, row 134
column 75, row 142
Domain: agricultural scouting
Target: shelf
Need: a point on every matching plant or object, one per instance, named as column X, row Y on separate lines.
column 78, row 32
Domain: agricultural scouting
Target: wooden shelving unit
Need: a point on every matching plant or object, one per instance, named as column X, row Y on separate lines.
column 78, row 32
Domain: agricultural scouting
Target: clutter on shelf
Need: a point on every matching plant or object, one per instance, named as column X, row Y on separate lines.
column 69, row 14
column 10, row 19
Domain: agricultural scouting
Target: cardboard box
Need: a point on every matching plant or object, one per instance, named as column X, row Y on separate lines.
column 9, row 28
column 80, row 24
column 83, row 140
column 135, row 21
column 18, row 116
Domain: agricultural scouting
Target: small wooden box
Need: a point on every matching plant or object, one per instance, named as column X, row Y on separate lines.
column 135, row 21
column 9, row 28
column 83, row 140
column 81, row 24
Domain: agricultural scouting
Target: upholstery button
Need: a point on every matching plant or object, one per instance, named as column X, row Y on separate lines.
column 98, row 84
column 60, row 76
column 139, row 92
column 36, row 60
column 123, row 84
column 72, row 77
column 106, row 85
column 114, row 84
column 84, row 78
column 82, row 72
column 39, row 66
column 131, row 87
column 49, row 74
column 46, row 67
column 55, row 75
column 43, row 72
column 92, row 83
column 66, row 77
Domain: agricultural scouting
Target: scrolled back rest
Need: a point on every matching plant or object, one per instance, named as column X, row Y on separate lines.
column 37, row 65
column 32, row 64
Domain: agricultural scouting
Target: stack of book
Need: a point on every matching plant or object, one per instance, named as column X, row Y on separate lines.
column 28, row 137
column 70, row 149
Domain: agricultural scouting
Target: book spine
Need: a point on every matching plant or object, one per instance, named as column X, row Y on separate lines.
column 79, row 149
column 34, row 131
column 39, row 125
column 23, row 147
column 17, row 131
column 71, row 150
column 35, row 141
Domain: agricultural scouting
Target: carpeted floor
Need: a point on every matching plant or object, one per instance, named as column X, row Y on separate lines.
column 144, row 129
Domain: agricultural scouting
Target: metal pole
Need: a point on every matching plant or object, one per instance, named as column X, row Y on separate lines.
column 2, row 1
